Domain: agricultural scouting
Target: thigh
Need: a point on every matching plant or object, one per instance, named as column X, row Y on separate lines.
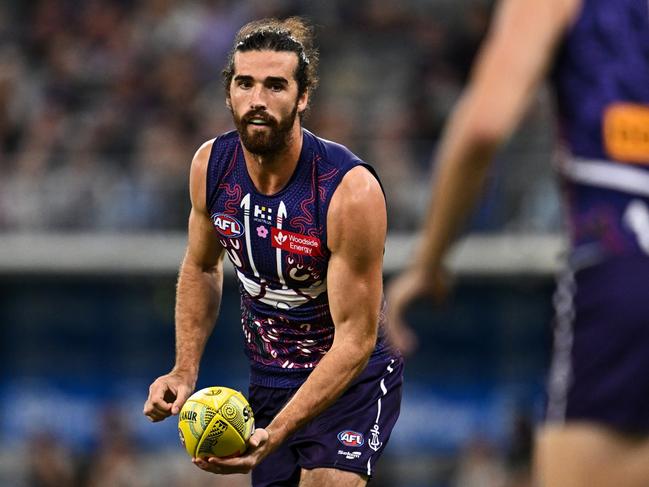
column 589, row 455
column 280, row 468
column 331, row 477
column 352, row 434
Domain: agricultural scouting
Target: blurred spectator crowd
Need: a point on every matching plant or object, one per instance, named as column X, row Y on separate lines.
column 103, row 103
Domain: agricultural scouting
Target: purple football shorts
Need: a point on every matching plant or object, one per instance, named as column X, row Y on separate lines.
column 350, row 435
column 600, row 367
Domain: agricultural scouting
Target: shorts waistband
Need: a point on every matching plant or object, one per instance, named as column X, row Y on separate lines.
column 265, row 376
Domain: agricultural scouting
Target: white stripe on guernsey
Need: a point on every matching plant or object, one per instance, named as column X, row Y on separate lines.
column 636, row 217
column 561, row 369
column 378, row 413
column 605, row 174
column 281, row 214
column 384, row 390
column 245, row 204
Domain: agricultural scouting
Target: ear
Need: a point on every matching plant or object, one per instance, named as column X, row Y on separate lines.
column 228, row 103
column 303, row 101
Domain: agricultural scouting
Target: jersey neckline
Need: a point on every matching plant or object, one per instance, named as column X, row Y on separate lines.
column 298, row 167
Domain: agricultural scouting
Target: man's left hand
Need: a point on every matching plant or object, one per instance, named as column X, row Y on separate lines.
column 259, row 447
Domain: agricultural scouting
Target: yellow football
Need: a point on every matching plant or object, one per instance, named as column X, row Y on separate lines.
column 215, row 421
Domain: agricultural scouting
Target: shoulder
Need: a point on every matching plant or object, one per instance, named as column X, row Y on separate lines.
column 198, row 173
column 358, row 180
column 358, row 186
column 357, row 210
column 218, row 145
column 216, row 149
column 202, row 157
column 332, row 153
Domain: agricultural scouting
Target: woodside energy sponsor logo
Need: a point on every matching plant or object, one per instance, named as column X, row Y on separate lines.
column 295, row 242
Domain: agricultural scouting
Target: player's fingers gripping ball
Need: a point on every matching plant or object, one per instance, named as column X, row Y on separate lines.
column 215, row 421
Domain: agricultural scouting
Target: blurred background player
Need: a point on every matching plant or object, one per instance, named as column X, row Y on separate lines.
column 597, row 53
column 287, row 207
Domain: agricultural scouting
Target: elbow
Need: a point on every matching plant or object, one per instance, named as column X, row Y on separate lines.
column 356, row 352
column 364, row 350
column 211, row 270
column 486, row 134
column 200, row 268
column 361, row 357
column 480, row 123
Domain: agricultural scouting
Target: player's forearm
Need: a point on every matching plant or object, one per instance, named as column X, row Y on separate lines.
column 463, row 163
column 198, row 298
column 331, row 377
column 522, row 39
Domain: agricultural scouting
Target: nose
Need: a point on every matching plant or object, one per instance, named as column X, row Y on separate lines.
column 257, row 99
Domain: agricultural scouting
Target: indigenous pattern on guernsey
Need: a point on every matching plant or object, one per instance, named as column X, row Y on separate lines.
column 601, row 78
column 278, row 246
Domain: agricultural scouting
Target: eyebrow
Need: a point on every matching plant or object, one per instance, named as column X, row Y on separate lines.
column 277, row 79
column 269, row 79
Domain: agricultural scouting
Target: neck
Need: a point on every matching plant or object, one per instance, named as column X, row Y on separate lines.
column 270, row 173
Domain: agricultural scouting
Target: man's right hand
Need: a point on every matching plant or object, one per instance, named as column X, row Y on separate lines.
column 167, row 395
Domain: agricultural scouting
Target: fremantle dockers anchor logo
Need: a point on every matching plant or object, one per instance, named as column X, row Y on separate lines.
column 374, row 442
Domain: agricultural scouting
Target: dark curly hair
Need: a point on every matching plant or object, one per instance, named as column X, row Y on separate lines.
column 293, row 34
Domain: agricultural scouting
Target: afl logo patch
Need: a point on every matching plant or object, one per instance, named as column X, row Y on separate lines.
column 227, row 225
column 351, row 438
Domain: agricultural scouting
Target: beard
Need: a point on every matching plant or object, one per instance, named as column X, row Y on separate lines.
column 265, row 142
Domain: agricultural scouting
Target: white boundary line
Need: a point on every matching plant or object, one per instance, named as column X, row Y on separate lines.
column 161, row 254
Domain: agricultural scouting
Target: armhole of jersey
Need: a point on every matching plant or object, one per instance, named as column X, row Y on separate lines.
column 372, row 171
column 212, row 175
column 340, row 177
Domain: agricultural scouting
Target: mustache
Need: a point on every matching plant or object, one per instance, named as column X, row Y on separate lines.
column 261, row 114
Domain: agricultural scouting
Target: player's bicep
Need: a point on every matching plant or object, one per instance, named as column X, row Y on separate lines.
column 203, row 247
column 357, row 225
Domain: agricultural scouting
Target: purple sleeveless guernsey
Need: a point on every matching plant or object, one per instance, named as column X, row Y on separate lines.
column 278, row 246
column 601, row 77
